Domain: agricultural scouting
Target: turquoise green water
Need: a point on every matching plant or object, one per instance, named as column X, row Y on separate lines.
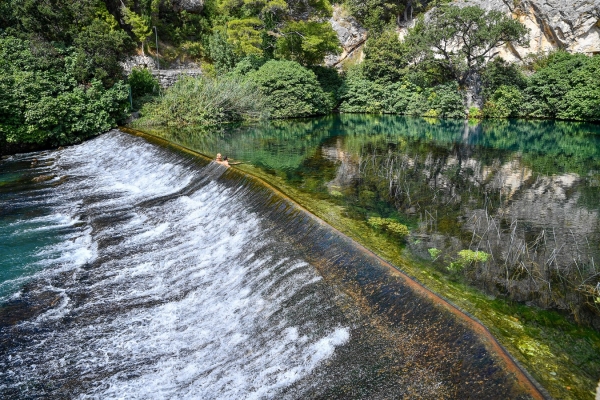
column 27, row 222
column 524, row 192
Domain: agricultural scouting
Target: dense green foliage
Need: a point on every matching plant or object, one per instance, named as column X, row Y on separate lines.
column 142, row 82
column 421, row 76
column 307, row 42
column 359, row 94
column 376, row 15
column 290, row 89
column 462, row 39
column 60, row 76
column 274, row 29
column 204, row 101
column 563, row 86
column 42, row 101
column 386, row 58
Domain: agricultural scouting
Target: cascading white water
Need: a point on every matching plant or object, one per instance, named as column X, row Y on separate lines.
column 187, row 297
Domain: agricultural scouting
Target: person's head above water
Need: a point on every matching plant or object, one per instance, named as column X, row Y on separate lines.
column 218, row 156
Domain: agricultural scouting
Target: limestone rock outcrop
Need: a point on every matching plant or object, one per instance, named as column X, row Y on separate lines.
column 572, row 25
column 350, row 34
column 191, row 6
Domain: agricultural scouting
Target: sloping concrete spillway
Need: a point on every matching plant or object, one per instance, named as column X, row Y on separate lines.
column 177, row 278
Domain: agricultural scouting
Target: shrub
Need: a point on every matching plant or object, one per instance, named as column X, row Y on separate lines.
column 290, row 90
column 475, row 113
column 204, row 101
column 466, row 258
column 330, row 81
column 447, row 101
column 566, row 86
column 248, row 64
column 434, row 253
column 142, row 82
column 505, row 102
column 360, row 95
column 385, row 58
column 404, row 98
column 500, row 73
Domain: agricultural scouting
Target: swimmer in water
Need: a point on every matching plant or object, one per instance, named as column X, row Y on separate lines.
column 221, row 160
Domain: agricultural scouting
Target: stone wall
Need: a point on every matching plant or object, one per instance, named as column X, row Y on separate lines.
column 166, row 77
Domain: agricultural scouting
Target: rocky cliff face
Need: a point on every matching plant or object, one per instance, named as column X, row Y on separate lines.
column 572, row 25
column 350, row 34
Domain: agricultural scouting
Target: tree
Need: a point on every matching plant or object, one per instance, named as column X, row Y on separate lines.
column 306, row 42
column 140, row 25
column 221, row 51
column 376, row 15
column 463, row 39
column 245, row 37
column 385, row 58
column 41, row 101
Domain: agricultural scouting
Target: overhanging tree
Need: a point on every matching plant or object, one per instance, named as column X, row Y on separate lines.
column 463, row 39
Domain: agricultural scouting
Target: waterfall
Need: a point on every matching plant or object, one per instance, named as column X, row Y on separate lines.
column 172, row 277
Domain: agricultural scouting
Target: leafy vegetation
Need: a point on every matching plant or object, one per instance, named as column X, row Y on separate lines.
column 204, row 101
column 435, row 70
column 144, row 86
column 290, row 89
column 390, row 226
column 42, row 101
column 86, row 40
column 461, row 40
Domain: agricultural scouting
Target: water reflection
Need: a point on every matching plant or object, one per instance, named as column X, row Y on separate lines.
column 524, row 192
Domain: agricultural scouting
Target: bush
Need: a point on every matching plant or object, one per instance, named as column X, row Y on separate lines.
column 475, row 113
column 385, row 58
column 567, row 86
column 505, row 102
column 467, row 258
column 204, row 101
column 290, row 90
column 360, row 95
column 142, row 82
column 447, row 101
column 330, row 81
column 500, row 73
column 247, row 65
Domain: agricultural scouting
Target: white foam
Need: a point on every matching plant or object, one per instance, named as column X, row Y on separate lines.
column 197, row 313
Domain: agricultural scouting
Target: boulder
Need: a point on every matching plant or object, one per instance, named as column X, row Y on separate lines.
column 191, row 6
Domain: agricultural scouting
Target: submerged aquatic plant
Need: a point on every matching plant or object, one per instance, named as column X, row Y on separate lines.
column 434, row 253
column 389, row 225
column 466, row 258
